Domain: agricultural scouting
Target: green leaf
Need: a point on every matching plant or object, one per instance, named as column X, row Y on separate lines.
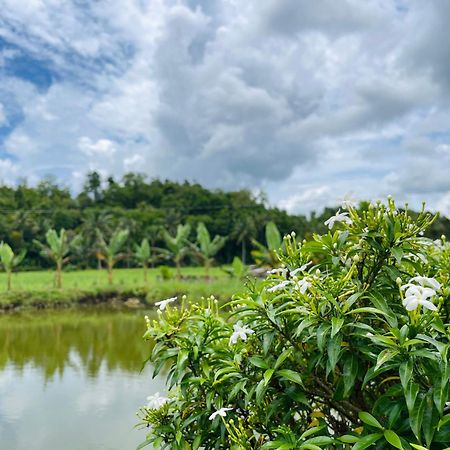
column 369, row 420
column 385, row 356
column 416, row 416
column 393, row 439
column 260, row 391
column 268, row 375
column 322, row 333
column 197, row 442
column 259, row 362
column 443, row 421
column 350, row 372
column 280, row 360
column 320, row 440
column 334, row 351
column 430, row 419
column 291, row 376
column 367, row 309
column 419, row 447
column 336, row 325
column 367, row 441
column 397, row 252
column 405, row 372
column 349, row 439
column 310, row 432
column 411, row 392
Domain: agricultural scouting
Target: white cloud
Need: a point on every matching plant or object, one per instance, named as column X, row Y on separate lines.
column 102, row 147
column 307, row 100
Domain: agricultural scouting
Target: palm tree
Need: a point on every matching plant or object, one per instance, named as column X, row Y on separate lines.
column 109, row 251
column 94, row 220
column 244, row 230
column 266, row 254
column 143, row 255
column 177, row 246
column 57, row 249
column 205, row 248
column 9, row 260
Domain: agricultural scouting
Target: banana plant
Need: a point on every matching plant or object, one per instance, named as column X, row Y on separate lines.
column 206, row 248
column 10, row 260
column 178, row 246
column 109, row 250
column 265, row 255
column 57, row 249
column 143, row 255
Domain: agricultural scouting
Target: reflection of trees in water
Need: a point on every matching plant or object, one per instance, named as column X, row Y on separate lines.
column 50, row 341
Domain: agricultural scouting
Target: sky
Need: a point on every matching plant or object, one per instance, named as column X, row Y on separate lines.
column 311, row 102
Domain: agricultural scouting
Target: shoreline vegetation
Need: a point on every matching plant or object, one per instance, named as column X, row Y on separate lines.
column 34, row 290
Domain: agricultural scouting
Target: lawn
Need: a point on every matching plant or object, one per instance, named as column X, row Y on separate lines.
column 35, row 289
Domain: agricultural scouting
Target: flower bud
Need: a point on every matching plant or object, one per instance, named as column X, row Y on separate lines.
column 356, row 258
column 398, row 281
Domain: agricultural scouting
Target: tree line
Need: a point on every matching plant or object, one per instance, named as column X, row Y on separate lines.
column 147, row 209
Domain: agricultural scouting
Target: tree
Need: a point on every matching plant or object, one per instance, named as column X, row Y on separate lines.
column 57, row 249
column 94, row 219
column 205, row 248
column 9, row 260
column 143, row 255
column 244, row 230
column 109, row 250
column 177, row 246
column 266, row 254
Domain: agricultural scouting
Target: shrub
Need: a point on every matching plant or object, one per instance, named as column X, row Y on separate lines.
column 346, row 345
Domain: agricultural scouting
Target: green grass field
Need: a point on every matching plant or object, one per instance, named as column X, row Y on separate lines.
column 35, row 289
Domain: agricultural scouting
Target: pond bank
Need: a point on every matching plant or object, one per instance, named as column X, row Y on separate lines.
column 140, row 296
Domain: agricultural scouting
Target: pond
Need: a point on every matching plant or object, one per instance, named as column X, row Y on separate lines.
column 71, row 379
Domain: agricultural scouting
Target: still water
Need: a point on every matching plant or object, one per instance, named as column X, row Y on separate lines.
column 71, row 380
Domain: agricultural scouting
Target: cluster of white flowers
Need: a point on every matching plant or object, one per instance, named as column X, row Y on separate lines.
column 279, row 286
column 419, row 291
column 302, row 285
column 338, row 217
column 156, row 400
column 302, row 268
column 240, row 332
column 163, row 303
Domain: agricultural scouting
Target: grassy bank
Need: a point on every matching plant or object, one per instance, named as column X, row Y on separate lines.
column 35, row 289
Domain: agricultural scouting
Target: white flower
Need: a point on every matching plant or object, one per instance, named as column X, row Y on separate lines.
column 279, row 286
column 302, row 285
column 300, row 269
column 348, row 202
column 281, row 271
column 155, row 401
column 220, row 412
column 240, row 332
column 163, row 303
column 338, row 217
column 426, row 282
column 418, row 295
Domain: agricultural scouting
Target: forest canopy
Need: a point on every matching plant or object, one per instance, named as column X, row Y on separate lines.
column 145, row 207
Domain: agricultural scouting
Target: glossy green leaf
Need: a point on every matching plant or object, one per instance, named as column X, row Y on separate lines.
column 369, row 420
column 393, row 439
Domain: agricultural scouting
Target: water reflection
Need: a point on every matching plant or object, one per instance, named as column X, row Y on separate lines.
column 71, row 380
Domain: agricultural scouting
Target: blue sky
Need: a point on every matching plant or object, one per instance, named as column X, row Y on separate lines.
column 311, row 102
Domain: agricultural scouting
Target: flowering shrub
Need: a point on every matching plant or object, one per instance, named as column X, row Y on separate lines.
column 346, row 345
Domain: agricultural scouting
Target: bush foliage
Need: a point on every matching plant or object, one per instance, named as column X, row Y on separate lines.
column 346, row 345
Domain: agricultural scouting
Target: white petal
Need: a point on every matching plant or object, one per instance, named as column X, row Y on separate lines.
column 428, row 305
column 412, row 305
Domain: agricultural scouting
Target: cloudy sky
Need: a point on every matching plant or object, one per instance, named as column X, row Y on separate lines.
column 309, row 101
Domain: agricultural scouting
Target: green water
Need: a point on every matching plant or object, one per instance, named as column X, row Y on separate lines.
column 71, row 380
